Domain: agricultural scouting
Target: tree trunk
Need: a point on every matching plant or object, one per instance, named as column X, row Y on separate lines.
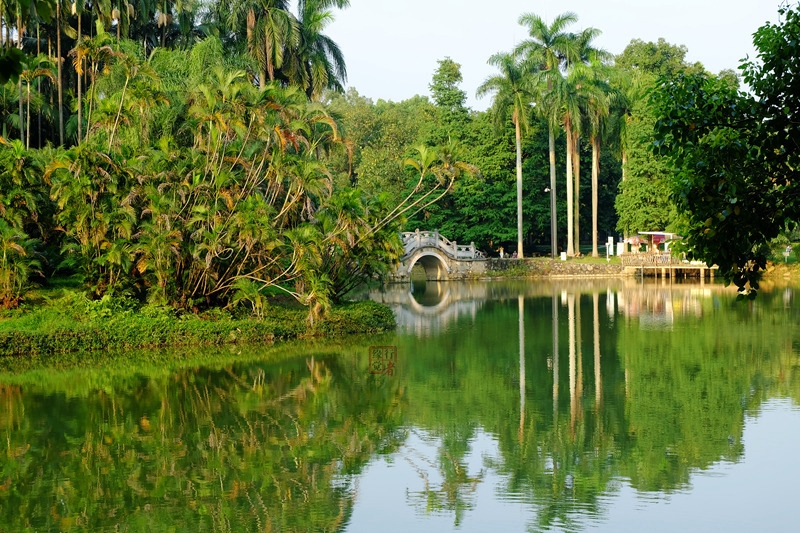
column 39, row 86
column 19, row 81
column 519, row 185
column 576, row 170
column 58, row 58
column 80, row 76
column 553, row 219
column 595, row 179
column 28, row 119
column 119, row 112
column 624, row 165
column 570, row 212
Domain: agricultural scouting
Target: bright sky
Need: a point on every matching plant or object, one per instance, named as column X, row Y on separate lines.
column 391, row 47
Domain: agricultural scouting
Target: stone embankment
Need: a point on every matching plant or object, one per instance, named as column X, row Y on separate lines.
column 496, row 267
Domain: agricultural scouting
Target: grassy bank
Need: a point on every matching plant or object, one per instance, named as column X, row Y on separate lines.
column 73, row 323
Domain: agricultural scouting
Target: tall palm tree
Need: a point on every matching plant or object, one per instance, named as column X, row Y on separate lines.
column 549, row 46
column 514, row 90
column 317, row 62
column 597, row 114
column 587, row 59
column 567, row 100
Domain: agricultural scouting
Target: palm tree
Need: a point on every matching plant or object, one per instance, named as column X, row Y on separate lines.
column 33, row 68
column 60, row 60
column 316, row 63
column 549, row 47
column 270, row 30
column 585, row 56
column 95, row 51
column 597, row 115
column 567, row 100
column 514, row 90
column 132, row 68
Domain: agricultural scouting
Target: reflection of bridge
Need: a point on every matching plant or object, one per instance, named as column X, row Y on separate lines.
column 441, row 258
column 428, row 307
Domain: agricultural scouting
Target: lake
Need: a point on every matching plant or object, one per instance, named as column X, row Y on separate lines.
column 594, row 405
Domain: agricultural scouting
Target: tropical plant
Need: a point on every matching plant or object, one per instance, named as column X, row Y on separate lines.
column 18, row 262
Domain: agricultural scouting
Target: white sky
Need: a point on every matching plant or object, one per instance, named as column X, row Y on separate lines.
column 391, row 47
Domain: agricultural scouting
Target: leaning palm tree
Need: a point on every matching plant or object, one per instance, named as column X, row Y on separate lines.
column 514, row 90
column 549, row 46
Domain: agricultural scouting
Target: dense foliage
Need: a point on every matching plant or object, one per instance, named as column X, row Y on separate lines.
column 208, row 157
column 735, row 154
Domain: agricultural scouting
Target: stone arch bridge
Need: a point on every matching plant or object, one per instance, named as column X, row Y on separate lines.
column 441, row 258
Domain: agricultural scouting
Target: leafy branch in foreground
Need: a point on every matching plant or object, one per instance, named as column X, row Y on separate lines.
column 736, row 156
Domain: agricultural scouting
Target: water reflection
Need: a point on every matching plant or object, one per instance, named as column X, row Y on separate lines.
column 544, row 407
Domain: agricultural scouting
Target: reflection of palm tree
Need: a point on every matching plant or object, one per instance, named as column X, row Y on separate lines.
column 573, row 398
column 555, row 359
column 521, row 303
column 598, row 382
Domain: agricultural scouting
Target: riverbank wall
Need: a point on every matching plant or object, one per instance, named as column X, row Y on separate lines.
column 534, row 267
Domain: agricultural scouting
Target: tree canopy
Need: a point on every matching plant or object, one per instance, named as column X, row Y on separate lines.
column 735, row 155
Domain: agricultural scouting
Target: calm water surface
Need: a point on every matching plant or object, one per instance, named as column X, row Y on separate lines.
column 509, row 406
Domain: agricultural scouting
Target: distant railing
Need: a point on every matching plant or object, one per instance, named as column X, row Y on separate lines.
column 655, row 260
column 413, row 240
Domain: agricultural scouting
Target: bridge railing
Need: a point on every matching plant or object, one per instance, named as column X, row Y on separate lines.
column 419, row 239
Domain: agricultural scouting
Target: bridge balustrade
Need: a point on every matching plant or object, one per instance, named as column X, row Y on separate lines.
column 419, row 239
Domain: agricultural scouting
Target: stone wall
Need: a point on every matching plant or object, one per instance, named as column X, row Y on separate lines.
column 496, row 267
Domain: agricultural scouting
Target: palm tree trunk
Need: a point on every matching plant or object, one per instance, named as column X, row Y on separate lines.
column 119, row 112
column 570, row 212
column 60, row 93
column 553, row 224
column 39, row 85
column 19, row 81
column 595, row 178
column 519, row 185
column 28, row 119
column 80, row 76
column 624, row 166
column 576, row 170
column 93, row 66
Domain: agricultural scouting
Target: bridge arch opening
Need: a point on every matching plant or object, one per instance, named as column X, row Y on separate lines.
column 434, row 265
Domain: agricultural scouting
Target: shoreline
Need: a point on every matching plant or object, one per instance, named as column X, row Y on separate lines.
column 51, row 331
